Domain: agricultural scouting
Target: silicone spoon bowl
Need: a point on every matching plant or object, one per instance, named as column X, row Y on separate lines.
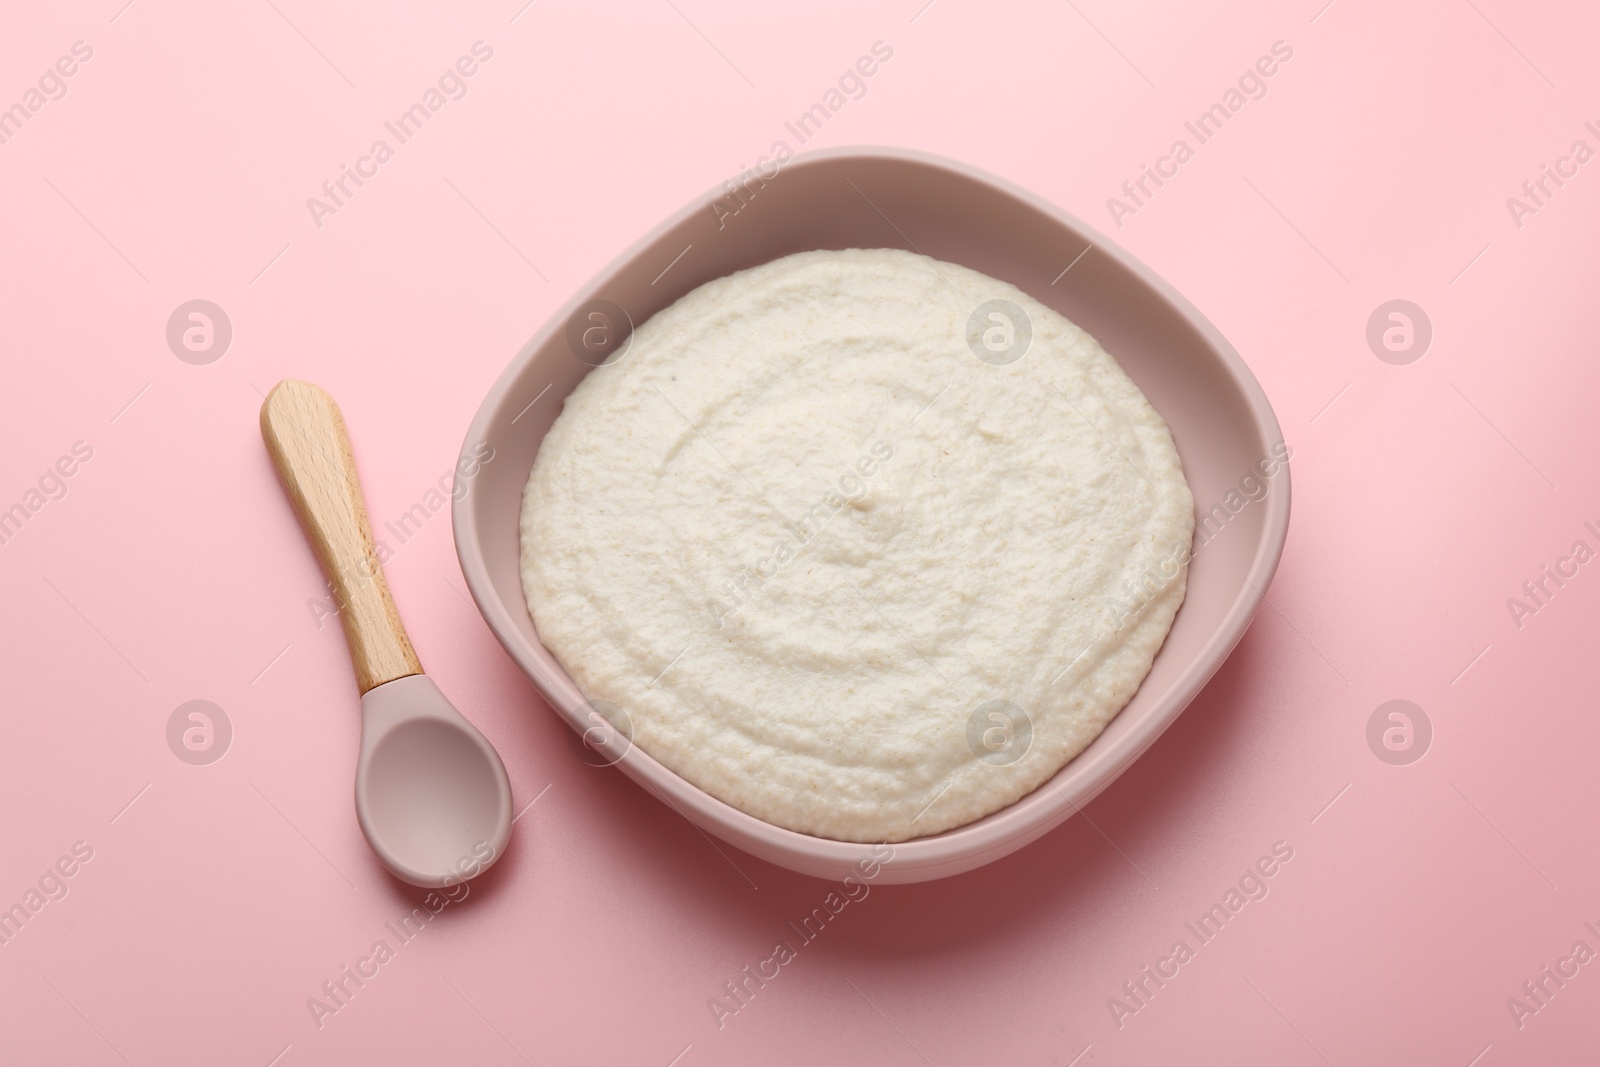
column 432, row 796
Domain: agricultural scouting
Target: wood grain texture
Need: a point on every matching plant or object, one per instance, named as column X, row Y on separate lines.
column 308, row 442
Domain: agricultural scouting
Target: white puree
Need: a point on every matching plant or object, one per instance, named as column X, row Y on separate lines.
column 803, row 536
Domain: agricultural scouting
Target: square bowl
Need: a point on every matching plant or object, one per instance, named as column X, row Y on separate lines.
column 1233, row 452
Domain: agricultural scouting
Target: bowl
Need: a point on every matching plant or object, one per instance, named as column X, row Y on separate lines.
column 1233, row 452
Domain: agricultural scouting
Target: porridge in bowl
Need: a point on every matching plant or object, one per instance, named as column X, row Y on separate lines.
column 864, row 544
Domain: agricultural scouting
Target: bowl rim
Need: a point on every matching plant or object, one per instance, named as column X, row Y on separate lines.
column 1029, row 817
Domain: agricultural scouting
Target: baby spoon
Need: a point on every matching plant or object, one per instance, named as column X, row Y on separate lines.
column 431, row 793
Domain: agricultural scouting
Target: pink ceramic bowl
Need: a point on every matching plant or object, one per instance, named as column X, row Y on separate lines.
column 1226, row 433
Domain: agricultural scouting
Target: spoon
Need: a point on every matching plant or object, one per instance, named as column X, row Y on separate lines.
column 431, row 793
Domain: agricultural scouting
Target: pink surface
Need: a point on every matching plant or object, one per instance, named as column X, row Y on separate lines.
column 219, row 897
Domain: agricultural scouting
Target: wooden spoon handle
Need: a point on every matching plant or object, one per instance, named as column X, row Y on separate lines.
column 310, row 446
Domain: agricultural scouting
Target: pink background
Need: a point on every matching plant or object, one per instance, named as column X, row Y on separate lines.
column 177, row 167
